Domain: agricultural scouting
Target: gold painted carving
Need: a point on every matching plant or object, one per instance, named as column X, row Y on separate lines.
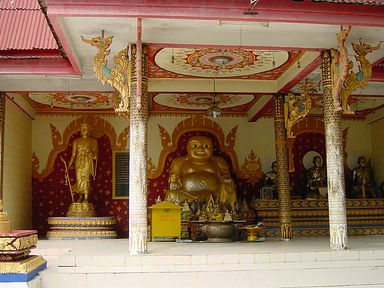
column 78, row 233
column 346, row 81
column 97, row 221
column 251, row 169
column 60, row 142
column 115, row 76
column 23, row 266
column 298, row 106
column 19, row 243
column 194, row 123
column 339, row 65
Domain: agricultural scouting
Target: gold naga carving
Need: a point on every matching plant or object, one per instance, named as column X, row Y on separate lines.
column 298, row 107
column 113, row 76
column 345, row 80
column 251, row 170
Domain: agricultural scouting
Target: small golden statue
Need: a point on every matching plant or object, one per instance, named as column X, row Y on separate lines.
column 200, row 174
column 363, row 182
column 84, row 155
column 316, row 179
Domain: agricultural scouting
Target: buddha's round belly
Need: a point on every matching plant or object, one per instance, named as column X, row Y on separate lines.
column 200, row 182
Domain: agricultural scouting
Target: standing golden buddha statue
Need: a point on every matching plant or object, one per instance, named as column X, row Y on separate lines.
column 84, row 156
column 200, row 174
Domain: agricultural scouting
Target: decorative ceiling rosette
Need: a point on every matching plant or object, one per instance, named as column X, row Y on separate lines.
column 214, row 62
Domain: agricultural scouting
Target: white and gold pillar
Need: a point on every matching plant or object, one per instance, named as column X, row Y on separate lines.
column 138, row 155
column 335, row 166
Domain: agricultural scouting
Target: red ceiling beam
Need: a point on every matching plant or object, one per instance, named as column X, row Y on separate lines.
column 264, row 10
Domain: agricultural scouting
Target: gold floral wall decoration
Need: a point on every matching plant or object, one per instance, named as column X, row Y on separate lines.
column 251, row 170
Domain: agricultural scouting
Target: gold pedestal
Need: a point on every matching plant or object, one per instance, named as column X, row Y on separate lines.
column 81, row 210
column 23, row 270
column 17, row 244
column 87, row 228
column 252, row 232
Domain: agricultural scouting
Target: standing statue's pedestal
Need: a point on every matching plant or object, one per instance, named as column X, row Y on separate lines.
column 81, row 210
column 81, row 228
column 15, row 263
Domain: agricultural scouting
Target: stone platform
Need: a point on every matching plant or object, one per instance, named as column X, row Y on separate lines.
column 83, row 228
column 301, row 262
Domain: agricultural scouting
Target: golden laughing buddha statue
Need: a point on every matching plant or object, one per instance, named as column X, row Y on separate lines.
column 200, row 174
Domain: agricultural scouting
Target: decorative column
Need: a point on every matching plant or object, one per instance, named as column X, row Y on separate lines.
column 138, row 155
column 335, row 166
column 5, row 223
column 282, row 169
column 2, row 122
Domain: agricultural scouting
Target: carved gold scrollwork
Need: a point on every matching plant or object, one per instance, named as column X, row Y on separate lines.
column 113, row 76
column 298, row 106
column 231, row 137
column 251, row 169
column 165, row 139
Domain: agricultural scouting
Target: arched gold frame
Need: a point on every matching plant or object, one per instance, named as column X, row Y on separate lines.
column 99, row 127
column 194, row 123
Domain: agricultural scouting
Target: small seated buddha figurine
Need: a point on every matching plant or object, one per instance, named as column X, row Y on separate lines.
column 363, row 183
column 200, row 174
column 316, row 178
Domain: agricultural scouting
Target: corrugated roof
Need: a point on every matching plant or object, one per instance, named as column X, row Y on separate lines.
column 24, row 27
column 19, row 4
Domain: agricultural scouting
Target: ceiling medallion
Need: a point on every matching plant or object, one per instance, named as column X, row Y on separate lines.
column 215, row 62
column 200, row 101
column 79, row 100
column 221, row 59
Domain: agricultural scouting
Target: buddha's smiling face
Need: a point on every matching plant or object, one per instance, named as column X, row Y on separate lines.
column 199, row 147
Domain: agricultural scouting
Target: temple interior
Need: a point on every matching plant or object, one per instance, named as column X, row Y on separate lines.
column 263, row 119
